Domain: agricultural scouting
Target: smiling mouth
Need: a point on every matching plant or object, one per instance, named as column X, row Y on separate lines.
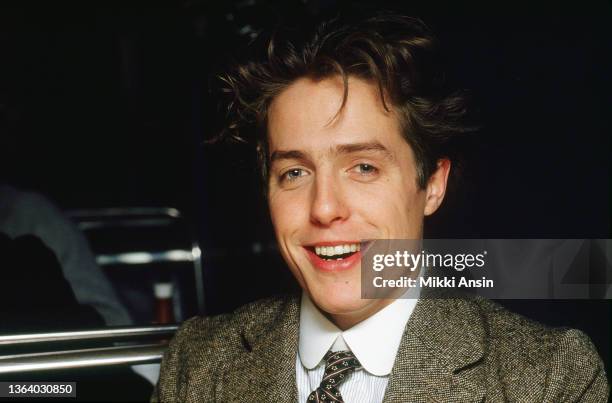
column 335, row 252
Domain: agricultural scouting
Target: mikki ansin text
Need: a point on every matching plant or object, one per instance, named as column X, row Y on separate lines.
column 432, row 282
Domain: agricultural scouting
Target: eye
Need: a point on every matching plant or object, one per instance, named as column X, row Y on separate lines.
column 365, row 169
column 292, row 174
column 364, row 172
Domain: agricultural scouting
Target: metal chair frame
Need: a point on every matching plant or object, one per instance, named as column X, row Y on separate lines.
column 126, row 217
column 82, row 358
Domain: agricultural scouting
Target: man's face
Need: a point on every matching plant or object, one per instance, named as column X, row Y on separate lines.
column 339, row 176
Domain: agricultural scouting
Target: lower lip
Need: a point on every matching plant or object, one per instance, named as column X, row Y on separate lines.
column 333, row 264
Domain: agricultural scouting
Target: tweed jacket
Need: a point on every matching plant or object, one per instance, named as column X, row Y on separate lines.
column 452, row 350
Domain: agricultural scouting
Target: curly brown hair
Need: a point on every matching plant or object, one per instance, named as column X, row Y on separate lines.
column 399, row 54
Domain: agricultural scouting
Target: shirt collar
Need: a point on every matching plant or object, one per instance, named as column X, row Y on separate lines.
column 374, row 341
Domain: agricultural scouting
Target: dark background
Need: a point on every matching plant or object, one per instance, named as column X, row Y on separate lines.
column 107, row 103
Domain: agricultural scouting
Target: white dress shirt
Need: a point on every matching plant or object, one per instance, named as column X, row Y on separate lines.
column 374, row 342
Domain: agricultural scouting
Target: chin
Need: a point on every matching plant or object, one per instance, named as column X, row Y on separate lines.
column 340, row 303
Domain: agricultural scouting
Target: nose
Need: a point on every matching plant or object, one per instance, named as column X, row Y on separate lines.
column 328, row 203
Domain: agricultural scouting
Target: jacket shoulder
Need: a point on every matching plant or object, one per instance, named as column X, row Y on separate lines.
column 253, row 319
column 529, row 354
column 201, row 345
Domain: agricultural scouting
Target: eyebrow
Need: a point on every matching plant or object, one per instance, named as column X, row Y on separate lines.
column 372, row 146
column 368, row 146
column 287, row 155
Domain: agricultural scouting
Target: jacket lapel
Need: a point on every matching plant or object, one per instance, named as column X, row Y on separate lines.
column 267, row 371
column 439, row 355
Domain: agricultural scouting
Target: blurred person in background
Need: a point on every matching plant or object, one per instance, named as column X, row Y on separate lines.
column 29, row 213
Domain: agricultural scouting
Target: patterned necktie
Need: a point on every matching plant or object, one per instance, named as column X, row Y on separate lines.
column 338, row 366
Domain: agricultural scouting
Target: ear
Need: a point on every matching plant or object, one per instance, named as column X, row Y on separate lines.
column 436, row 186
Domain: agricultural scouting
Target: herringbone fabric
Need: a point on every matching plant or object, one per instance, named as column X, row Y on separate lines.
column 339, row 366
column 453, row 350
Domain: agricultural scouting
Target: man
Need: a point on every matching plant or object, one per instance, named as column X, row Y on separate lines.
column 355, row 133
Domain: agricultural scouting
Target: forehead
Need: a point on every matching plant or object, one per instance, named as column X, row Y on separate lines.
column 309, row 114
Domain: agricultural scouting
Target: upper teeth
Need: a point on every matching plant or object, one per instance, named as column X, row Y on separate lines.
column 336, row 250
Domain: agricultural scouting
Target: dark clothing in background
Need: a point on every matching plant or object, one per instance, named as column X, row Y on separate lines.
column 23, row 213
column 34, row 295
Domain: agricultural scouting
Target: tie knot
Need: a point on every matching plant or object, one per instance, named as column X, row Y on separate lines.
column 344, row 358
column 338, row 365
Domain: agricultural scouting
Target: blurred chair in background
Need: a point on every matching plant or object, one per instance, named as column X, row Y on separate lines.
column 151, row 257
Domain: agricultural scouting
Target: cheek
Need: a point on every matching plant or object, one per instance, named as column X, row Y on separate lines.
column 285, row 211
column 395, row 207
column 412, row 208
column 286, row 220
